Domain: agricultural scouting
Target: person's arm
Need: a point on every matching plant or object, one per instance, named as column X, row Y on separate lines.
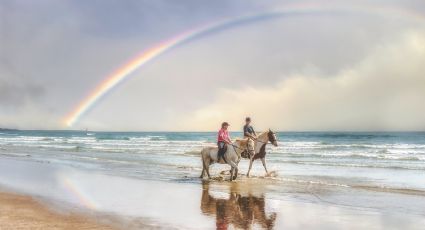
column 229, row 141
column 222, row 135
column 225, row 137
column 245, row 131
column 255, row 133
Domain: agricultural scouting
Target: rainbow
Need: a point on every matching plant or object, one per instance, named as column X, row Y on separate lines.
column 122, row 73
column 79, row 194
column 126, row 70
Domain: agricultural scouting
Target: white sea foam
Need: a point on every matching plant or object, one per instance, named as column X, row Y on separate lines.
column 177, row 155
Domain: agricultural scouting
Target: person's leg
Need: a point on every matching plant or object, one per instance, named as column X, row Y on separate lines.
column 221, row 151
column 224, row 152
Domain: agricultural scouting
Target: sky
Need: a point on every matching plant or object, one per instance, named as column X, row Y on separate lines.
column 340, row 66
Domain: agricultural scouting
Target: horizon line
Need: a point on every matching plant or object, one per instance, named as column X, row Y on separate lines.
column 209, row 131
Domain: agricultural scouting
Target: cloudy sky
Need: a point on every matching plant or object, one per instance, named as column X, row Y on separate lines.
column 342, row 65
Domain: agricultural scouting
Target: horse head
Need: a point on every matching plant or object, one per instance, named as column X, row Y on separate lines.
column 272, row 137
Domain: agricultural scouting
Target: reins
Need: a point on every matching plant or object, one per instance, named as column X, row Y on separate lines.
column 243, row 150
column 264, row 142
column 236, row 147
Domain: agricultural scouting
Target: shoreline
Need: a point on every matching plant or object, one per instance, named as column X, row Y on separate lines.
column 27, row 211
column 55, row 196
column 227, row 205
column 24, row 212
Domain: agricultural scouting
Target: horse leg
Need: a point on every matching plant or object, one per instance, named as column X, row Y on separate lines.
column 231, row 174
column 208, row 172
column 236, row 173
column 203, row 168
column 203, row 172
column 251, row 160
column 234, row 168
column 263, row 160
column 237, row 170
column 207, row 164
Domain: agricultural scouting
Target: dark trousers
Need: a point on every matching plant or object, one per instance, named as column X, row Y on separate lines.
column 222, row 148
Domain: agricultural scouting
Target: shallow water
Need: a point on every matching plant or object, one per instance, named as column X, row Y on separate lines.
column 393, row 160
column 314, row 167
column 248, row 203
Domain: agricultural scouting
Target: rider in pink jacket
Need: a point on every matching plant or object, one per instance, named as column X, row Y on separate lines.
column 223, row 138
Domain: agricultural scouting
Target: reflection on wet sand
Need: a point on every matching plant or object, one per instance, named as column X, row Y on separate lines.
column 239, row 210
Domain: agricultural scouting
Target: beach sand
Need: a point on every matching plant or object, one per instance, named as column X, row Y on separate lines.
column 23, row 212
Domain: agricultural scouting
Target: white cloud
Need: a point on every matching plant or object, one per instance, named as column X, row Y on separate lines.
column 384, row 91
column 51, row 59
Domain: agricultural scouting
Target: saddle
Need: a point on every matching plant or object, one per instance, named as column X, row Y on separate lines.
column 248, row 145
column 248, row 154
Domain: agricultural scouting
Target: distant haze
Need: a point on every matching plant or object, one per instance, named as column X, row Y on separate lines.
column 328, row 71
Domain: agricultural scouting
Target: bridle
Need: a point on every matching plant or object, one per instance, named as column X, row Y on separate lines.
column 269, row 135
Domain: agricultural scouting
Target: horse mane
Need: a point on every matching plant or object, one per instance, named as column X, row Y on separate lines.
column 263, row 133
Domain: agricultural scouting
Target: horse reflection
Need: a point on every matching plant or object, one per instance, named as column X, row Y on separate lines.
column 241, row 211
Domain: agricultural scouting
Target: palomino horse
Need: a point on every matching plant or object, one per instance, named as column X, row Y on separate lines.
column 232, row 156
column 260, row 149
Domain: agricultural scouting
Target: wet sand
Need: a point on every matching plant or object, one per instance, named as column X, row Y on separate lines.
column 23, row 212
column 101, row 201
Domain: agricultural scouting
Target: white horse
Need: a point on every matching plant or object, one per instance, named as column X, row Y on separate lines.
column 232, row 156
column 260, row 149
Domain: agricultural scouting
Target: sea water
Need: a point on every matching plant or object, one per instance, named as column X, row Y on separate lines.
column 373, row 175
column 390, row 159
column 377, row 162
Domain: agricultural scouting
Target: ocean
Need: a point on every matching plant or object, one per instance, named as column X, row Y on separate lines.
column 344, row 156
column 378, row 170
